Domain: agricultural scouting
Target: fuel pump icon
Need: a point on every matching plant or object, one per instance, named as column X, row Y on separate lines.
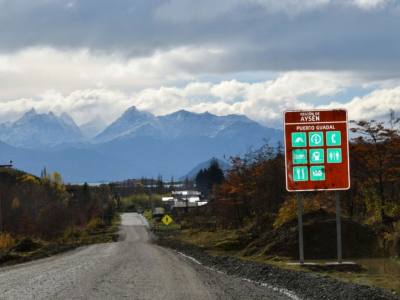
column 316, row 156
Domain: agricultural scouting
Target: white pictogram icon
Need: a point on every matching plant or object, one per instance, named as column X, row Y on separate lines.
column 317, row 173
column 333, row 138
column 334, row 156
column 300, row 174
column 316, row 156
column 316, row 139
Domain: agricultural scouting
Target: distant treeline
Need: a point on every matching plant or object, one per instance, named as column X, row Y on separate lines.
column 44, row 207
column 150, row 186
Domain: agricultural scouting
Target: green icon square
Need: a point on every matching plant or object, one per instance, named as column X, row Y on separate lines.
column 317, row 156
column 334, row 155
column 316, row 138
column 299, row 156
column 300, row 173
column 317, row 173
column 333, row 138
column 299, row 139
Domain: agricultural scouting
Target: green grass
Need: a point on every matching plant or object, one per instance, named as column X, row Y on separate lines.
column 220, row 240
column 163, row 227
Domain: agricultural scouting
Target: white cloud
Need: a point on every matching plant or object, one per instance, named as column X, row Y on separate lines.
column 261, row 101
column 189, row 11
column 194, row 11
column 230, row 91
column 290, row 6
column 83, row 105
column 35, row 70
column 371, row 4
column 374, row 105
column 265, row 101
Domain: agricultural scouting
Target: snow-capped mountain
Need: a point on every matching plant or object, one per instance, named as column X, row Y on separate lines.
column 181, row 124
column 35, row 130
column 185, row 124
column 67, row 120
column 94, row 127
column 136, row 144
column 131, row 122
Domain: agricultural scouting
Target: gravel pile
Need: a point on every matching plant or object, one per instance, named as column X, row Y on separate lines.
column 305, row 285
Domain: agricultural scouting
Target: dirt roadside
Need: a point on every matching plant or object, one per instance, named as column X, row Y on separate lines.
column 305, row 285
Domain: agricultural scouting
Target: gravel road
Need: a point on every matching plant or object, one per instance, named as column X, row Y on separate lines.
column 133, row 268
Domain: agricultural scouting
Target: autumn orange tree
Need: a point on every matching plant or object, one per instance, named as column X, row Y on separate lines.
column 45, row 207
column 254, row 187
column 375, row 161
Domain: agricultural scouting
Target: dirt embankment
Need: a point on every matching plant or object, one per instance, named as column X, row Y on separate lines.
column 359, row 241
column 319, row 239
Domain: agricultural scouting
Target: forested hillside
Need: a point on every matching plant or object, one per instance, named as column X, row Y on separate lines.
column 43, row 210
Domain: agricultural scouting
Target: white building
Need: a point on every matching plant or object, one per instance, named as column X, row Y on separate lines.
column 188, row 198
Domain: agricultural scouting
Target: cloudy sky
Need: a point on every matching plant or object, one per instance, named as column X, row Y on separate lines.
column 253, row 57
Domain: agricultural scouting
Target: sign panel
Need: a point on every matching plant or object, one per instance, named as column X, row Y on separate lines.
column 317, row 150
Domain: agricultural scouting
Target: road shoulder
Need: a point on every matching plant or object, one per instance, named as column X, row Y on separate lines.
column 300, row 285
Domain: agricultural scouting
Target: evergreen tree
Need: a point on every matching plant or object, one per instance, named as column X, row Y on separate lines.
column 172, row 184
column 43, row 174
column 160, row 185
column 207, row 178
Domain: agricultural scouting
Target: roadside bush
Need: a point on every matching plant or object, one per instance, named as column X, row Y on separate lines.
column 94, row 224
column 71, row 235
column 6, row 241
column 316, row 202
column 140, row 202
column 147, row 214
column 26, row 244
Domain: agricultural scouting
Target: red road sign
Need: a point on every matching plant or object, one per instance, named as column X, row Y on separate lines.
column 317, row 150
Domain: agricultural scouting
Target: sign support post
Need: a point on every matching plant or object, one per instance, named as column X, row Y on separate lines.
column 338, row 228
column 299, row 197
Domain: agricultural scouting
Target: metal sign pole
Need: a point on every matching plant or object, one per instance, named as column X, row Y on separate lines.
column 1, row 215
column 338, row 228
column 299, row 197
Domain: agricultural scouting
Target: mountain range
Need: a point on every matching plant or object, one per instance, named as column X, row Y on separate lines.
column 136, row 144
column 34, row 130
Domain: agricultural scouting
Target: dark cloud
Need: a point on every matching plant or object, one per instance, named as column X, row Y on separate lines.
column 332, row 36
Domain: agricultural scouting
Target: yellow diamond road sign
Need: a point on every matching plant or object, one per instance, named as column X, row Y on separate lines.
column 167, row 220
